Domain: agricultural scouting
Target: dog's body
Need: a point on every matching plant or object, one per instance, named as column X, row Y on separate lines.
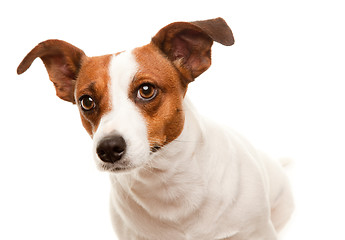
column 212, row 184
column 174, row 175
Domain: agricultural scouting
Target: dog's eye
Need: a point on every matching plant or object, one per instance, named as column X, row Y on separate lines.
column 87, row 103
column 147, row 92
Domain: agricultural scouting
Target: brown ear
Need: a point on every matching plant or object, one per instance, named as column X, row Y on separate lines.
column 188, row 44
column 62, row 61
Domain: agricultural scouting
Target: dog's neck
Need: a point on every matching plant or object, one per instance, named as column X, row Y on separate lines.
column 169, row 180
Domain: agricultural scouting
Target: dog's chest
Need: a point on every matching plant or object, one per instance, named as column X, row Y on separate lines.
column 183, row 203
column 196, row 189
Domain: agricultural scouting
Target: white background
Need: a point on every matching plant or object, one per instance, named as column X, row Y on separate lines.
column 281, row 85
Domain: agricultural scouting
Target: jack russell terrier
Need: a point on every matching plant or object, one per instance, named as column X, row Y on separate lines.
column 174, row 175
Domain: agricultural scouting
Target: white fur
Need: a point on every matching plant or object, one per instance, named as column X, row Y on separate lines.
column 124, row 118
column 208, row 184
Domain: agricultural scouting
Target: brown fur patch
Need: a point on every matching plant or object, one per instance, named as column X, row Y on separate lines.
column 164, row 114
column 62, row 61
column 93, row 80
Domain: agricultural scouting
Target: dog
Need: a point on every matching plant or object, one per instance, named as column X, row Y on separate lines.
column 174, row 175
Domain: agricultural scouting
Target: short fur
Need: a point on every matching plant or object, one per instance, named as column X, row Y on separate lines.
column 179, row 176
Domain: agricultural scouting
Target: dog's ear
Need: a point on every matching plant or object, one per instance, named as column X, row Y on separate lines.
column 62, row 61
column 188, row 44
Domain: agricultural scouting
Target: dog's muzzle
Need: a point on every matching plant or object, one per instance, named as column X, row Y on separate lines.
column 111, row 148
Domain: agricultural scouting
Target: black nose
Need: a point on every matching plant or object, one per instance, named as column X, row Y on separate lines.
column 111, row 148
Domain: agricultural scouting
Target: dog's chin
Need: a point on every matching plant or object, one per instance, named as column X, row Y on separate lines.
column 122, row 166
column 115, row 169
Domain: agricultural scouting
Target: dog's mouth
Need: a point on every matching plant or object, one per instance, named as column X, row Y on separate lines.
column 128, row 161
column 115, row 168
column 124, row 166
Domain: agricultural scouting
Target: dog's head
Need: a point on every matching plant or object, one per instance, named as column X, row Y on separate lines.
column 131, row 102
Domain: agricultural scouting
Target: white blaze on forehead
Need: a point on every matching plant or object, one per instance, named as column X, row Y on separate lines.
column 124, row 117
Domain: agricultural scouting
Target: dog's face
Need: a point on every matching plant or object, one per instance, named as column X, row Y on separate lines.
column 131, row 102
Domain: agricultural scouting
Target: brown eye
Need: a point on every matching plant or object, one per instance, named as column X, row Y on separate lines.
column 86, row 102
column 147, row 92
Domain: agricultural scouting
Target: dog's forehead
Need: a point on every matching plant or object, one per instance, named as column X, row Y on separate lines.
column 97, row 74
column 152, row 62
column 121, row 68
column 94, row 71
